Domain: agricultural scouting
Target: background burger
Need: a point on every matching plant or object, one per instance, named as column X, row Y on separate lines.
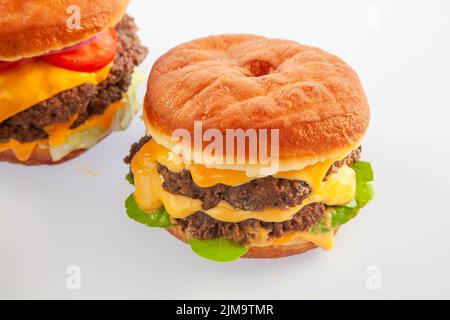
column 65, row 69
column 248, row 82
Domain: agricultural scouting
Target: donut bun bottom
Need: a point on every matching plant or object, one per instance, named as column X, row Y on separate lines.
column 41, row 156
column 267, row 252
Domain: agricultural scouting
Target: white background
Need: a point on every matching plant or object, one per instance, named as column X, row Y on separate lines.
column 54, row 217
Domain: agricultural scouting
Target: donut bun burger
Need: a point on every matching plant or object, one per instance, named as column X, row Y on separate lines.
column 67, row 76
column 312, row 110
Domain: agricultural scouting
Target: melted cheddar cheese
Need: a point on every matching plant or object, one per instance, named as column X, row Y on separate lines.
column 206, row 177
column 34, row 82
column 323, row 240
column 22, row 151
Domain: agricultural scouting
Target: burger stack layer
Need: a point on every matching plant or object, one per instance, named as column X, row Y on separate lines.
column 56, row 104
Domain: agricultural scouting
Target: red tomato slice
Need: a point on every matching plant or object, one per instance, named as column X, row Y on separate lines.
column 4, row 65
column 90, row 57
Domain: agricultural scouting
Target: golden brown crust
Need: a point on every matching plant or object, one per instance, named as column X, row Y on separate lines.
column 32, row 28
column 269, row 252
column 247, row 81
column 274, row 252
column 39, row 157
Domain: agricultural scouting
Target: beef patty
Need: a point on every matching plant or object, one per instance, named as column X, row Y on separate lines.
column 258, row 194
column 200, row 226
column 85, row 100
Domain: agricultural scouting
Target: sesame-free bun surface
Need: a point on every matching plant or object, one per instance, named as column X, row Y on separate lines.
column 268, row 252
column 34, row 27
column 250, row 82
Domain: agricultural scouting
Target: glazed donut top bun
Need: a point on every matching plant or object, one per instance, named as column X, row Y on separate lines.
column 245, row 81
column 31, row 28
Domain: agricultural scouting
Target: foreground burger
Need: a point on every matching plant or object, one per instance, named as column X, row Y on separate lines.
column 232, row 209
column 65, row 69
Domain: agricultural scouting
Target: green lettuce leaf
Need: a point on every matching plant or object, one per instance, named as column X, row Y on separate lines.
column 363, row 171
column 219, row 249
column 131, row 96
column 343, row 215
column 157, row 219
column 85, row 139
column 129, row 177
column 339, row 215
column 364, row 193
